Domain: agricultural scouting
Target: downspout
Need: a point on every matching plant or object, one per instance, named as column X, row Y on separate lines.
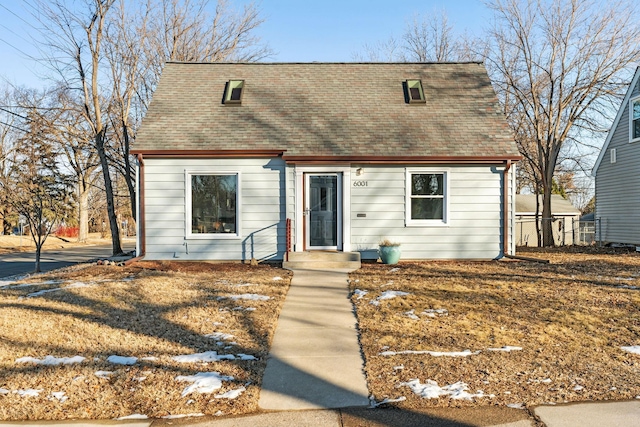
column 505, row 225
column 142, row 239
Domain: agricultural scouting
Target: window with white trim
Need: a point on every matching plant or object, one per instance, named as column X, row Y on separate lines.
column 426, row 197
column 634, row 119
column 212, row 205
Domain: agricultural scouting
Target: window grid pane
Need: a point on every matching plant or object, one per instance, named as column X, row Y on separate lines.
column 427, row 198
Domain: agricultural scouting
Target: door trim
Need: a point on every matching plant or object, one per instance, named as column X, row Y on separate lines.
column 307, row 217
column 344, row 220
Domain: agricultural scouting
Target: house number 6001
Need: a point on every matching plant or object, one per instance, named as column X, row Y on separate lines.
column 360, row 183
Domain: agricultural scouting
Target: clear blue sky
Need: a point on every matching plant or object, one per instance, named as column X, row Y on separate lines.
column 296, row 30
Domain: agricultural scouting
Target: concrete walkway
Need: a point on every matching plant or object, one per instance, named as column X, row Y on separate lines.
column 315, row 360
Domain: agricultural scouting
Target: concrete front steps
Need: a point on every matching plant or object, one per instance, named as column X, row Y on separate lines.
column 322, row 260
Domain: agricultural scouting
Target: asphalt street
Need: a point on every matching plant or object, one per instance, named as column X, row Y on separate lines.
column 19, row 263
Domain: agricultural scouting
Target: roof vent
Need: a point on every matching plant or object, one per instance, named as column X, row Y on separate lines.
column 415, row 93
column 233, row 93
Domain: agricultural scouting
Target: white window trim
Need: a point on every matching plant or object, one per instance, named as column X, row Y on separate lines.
column 188, row 224
column 444, row 222
column 631, row 101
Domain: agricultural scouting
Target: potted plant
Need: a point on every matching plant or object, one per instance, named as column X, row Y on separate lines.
column 389, row 251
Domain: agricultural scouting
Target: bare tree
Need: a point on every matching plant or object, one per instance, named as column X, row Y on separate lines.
column 558, row 67
column 39, row 190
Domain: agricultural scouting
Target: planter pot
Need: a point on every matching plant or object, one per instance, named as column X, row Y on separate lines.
column 389, row 254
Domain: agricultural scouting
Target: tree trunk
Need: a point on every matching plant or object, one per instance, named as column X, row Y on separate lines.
column 83, row 212
column 127, row 172
column 111, row 212
column 547, row 223
column 38, row 251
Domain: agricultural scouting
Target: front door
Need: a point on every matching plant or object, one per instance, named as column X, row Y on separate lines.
column 322, row 211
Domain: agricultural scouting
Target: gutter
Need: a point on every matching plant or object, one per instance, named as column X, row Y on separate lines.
column 141, row 216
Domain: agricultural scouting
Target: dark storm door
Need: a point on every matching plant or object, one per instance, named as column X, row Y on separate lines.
column 322, row 211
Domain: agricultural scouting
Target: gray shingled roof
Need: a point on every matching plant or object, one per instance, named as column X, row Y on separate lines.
column 526, row 204
column 328, row 109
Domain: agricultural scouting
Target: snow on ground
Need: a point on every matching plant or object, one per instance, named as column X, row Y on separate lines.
column 277, row 279
column 51, row 360
column 219, row 336
column 463, row 353
column 210, row 356
column 231, row 394
column 431, row 390
column 434, row 312
column 73, row 285
column 122, row 360
column 632, row 349
column 203, row 382
column 30, row 392
column 389, row 295
column 411, row 314
column 506, row 348
column 103, row 374
column 58, row 395
column 133, row 417
column 374, row 404
column 360, row 293
column 252, row 297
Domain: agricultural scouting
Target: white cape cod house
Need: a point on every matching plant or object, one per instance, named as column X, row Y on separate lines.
column 242, row 161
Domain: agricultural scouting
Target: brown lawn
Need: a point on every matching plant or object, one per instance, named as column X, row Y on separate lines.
column 151, row 311
column 570, row 317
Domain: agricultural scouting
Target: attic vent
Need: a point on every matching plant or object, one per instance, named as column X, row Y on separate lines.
column 415, row 93
column 613, row 155
column 233, row 94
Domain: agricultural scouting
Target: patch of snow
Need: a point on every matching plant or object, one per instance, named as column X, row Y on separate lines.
column 73, row 285
column 51, row 360
column 251, row 297
column 30, row 392
column 464, row 353
column 431, row 390
column 635, row 349
column 544, row 381
column 103, row 374
column 434, row 312
column 203, row 382
column 625, row 278
column 389, row 295
column 207, row 356
column 516, row 405
column 219, row 336
column 505, row 348
column 375, row 404
column 360, row 293
column 578, row 388
column 122, row 360
column 59, row 396
column 243, row 356
column 149, row 358
column 175, row 417
column 133, row 417
column 277, row 278
column 411, row 314
column 140, row 379
column 398, row 368
column 243, row 285
column 4, row 391
column 9, row 280
column 218, row 414
column 250, row 309
column 394, row 269
column 231, row 394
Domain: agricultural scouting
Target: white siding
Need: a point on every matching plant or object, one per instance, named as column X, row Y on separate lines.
column 474, row 229
column 618, row 187
column 262, row 216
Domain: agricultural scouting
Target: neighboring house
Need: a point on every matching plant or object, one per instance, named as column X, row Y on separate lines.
column 565, row 220
column 617, row 212
column 349, row 153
